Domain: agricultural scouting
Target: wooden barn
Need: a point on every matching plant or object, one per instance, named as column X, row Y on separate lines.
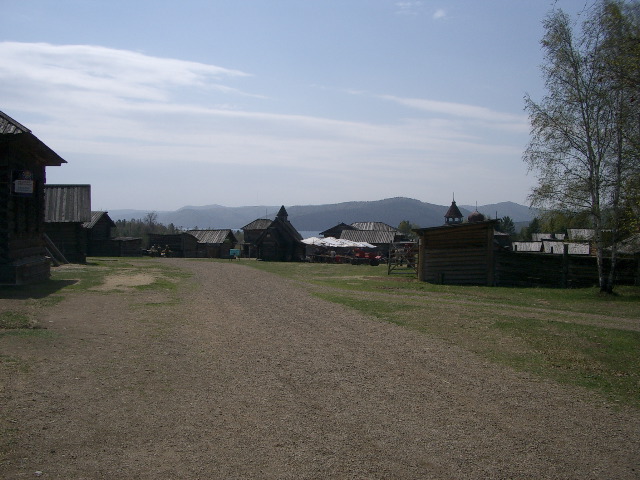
column 179, row 244
column 67, row 209
column 277, row 241
column 98, row 233
column 458, row 253
column 23, row 159
column 214, row 243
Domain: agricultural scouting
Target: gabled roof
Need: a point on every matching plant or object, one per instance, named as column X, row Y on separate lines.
column 282, row 226
column 9, row 126
column 259, row 224
column 341, row 226
column 374, row 226
column 17, row 141
column 95, row 218
column 369, row 236
column 67, row 203
column 213, row 236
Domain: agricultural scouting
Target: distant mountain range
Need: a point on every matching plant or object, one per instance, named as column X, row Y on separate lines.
column 391, row 211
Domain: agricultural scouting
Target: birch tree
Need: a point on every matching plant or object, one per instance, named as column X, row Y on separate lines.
column 581, row 145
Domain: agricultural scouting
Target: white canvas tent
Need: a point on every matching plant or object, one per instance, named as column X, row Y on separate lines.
column 332, row 242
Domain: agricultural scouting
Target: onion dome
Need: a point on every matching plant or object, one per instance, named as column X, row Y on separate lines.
column 476, row 216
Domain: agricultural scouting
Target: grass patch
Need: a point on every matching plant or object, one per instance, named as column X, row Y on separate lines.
column 384, row 310
column 598, row 358
column 28, row 333
column 575, row 336
column 11, row 320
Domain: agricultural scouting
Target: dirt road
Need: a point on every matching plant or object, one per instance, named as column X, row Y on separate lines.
column 249, row 376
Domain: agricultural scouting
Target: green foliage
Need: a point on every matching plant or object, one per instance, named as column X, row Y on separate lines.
column 406, row 227
column 585, row 131
column 506, row 225
column 534, row 227
column 140, row 228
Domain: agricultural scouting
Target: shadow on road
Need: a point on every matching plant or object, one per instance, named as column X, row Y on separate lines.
column 37, row 290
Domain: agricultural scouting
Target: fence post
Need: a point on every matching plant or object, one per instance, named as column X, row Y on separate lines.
column 565, row 265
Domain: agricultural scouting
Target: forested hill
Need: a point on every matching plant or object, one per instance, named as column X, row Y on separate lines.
column 320, row 217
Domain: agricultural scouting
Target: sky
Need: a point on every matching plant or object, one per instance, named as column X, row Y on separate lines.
column 162, row 104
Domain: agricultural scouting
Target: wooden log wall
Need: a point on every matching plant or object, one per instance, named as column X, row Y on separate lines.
column 22, row 251
column 460, row 256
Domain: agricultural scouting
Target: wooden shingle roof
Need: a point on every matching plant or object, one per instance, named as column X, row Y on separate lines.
column 9, row 126
column 213, row 236
column 67, row 203
column 374, row 226
column 259, row 224
column 17, row 141
column 369, row 236
column 453, row 212
column 95, row 218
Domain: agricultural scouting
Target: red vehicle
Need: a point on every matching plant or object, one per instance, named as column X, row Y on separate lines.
column 363, row 257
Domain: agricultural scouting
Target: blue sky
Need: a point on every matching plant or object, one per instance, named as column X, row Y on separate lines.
column 162, row 104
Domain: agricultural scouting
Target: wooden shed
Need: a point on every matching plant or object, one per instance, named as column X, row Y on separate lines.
column 180, row 244
column 23, row 159
column 98, row 233
column 214, row 243
column 458, row 253
column 67, row 209
column 278, row 241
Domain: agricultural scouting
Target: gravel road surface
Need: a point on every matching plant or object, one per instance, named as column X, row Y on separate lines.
column 251, row 376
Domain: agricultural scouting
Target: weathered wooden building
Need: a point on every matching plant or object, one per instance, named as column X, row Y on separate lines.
column 23, row 159
column 179, row 244
column 67, row 209
column 458, row 253
column 98, row 234
column 376, row 233
column 127, row 246
column 382, row 239
column 214, row 243
column 274, row 240
column 251, row 233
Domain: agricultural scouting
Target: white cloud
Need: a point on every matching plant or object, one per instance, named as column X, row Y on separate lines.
column 439, row 14
column 408, row 7
column 105, row 71
column 97, row 106
column 469, row 112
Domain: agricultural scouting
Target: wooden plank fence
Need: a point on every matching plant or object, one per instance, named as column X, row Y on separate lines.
column 563, row 271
